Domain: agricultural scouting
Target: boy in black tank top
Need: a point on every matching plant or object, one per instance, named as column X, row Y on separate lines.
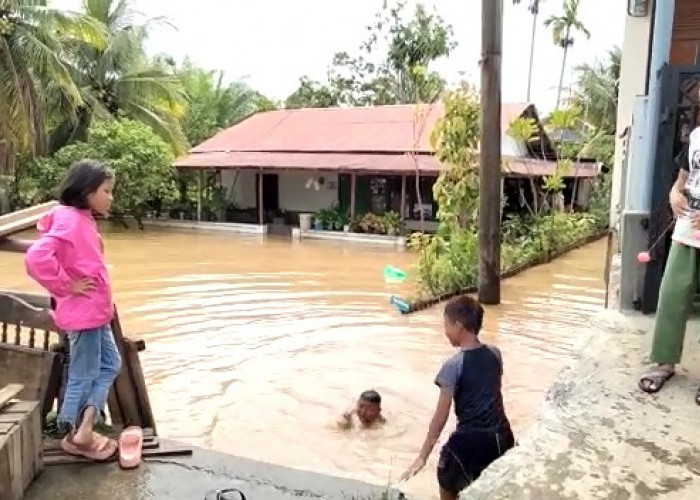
column 472, row 378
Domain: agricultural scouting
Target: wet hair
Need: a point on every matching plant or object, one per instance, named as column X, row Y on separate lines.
column 371, row 396
column 83, row 178
column 467, row 312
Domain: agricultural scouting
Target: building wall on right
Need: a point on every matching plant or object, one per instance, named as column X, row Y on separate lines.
column 633, row 82
column 686, row 33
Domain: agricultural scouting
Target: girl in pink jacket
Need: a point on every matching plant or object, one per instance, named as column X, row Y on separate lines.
column 67, row 260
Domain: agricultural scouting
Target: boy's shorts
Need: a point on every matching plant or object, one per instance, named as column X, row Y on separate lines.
column 467, row 453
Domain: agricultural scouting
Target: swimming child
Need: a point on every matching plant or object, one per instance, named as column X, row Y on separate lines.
column 368, row 410
column 472, row 378
column 67, row 260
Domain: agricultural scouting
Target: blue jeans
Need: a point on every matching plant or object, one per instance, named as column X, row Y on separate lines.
column 94, row 364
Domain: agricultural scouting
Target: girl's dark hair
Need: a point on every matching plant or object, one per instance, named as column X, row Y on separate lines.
column 467, row 312
column 83, row 178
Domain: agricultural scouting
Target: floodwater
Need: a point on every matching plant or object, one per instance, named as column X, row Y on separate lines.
column 254, row 347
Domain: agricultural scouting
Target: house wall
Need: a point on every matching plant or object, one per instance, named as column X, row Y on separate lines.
column 243, row 183
column 294, row 195
column 633, row 78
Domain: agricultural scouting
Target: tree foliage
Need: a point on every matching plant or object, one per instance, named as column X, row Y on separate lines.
column 33, row 41
column 140, row 158
column 596, row 91
column 214, row 105
column 119, row 80
column 563, row 28
column 391, row 67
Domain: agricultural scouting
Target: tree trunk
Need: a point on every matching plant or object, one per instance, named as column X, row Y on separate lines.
column 535, row 12
column 567, row 41
column 490, row 157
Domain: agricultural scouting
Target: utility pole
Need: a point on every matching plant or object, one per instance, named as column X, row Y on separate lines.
column 490, row 153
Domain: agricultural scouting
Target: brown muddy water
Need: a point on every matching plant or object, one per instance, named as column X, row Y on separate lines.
column 255, row 346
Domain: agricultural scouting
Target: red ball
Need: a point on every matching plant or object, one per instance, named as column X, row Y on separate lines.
column 643, row 257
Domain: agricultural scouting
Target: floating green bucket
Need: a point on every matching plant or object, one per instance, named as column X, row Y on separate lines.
column 394, row 274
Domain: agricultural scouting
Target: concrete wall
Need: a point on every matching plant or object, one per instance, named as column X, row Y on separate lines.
column 296, row 197
column 633, row 75
column 293, row 193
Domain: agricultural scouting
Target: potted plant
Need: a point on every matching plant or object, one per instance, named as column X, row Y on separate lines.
column 324, row 219
column 393, row 223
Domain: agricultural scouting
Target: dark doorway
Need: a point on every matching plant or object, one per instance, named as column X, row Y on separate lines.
column 270, row 193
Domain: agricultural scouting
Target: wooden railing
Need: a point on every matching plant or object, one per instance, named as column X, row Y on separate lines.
column 27, row 328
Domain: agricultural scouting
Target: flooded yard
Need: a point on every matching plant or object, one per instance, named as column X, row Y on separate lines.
column 255, row 346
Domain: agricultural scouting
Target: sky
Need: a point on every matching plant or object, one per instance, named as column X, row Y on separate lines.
column 271, row 43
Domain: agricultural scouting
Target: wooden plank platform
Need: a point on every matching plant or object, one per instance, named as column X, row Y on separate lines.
column 19, row 221
column 153, row 447
column 20, row 445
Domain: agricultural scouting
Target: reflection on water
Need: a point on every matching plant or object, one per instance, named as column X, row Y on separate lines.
column 254, row 346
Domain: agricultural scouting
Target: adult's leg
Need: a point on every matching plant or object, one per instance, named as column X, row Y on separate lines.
column 675, row 297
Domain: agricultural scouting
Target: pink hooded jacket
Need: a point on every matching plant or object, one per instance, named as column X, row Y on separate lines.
column 69, row 249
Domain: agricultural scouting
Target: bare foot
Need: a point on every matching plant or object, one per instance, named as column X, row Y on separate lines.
column 83, row 436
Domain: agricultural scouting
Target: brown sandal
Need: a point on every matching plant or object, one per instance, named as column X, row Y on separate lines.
column 653, row 380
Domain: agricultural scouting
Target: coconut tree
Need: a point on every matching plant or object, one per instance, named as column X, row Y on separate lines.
column 32, row 42
column 563, row 27
column 534, row 9
column 119, row 80
column 596, row 90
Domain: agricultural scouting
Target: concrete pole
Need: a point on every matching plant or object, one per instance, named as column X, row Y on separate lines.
column 489, row 286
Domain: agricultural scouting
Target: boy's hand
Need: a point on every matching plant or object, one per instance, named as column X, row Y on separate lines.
column 414, row 469
column 678, row 201
column 82, row 286
column 695, row 221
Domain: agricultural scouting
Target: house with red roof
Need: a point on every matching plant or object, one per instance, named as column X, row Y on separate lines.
column 282, row 163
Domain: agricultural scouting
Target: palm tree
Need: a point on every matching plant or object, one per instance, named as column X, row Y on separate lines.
column 563, row 27
column 534, row 9
column 596, row 92
column 119, row 80
column 32, row 41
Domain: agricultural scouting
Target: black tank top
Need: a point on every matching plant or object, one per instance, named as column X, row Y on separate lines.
column 478, row 399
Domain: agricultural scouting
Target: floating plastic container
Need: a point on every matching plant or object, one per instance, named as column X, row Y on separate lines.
column 394, row 274
column 399, row 304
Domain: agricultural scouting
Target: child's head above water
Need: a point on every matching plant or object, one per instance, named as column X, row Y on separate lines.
column 88, row 185
column 463, row 319
column 369, row 407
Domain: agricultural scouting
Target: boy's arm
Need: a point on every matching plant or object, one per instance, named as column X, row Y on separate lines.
column 345, row 421
column 437, row 424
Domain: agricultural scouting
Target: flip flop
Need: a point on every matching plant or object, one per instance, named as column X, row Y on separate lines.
column 130, row 446
column 98, row 450
column 225, row 494
column 652, row 381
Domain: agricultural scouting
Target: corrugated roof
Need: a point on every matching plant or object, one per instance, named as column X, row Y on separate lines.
column 400, row 128
column 362, row 162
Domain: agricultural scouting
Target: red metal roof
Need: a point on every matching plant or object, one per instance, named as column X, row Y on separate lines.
column 361, row 162
column 370, row 139
column 400, row 128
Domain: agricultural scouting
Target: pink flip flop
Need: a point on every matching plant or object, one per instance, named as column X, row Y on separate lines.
column 130, row 445
column 98, row 450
